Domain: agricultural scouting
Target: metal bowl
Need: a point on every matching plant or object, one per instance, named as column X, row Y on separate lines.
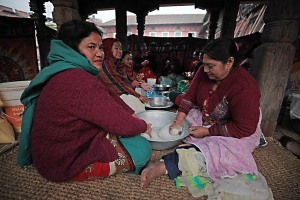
column 160, row 119
column 159, row 87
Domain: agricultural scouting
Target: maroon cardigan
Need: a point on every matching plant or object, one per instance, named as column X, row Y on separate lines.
column 74, row 113
column 234, row 106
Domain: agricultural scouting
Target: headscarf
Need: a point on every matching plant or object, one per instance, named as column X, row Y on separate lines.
column 109, row 59
column 107, row 45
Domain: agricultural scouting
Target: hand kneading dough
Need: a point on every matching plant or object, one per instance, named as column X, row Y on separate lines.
column 175, row 131
column 164, row 133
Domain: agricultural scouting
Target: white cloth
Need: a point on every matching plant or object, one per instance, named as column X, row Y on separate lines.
column 133, row 103
column 240, row 187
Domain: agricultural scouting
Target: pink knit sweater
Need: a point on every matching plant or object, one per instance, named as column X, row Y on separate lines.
column 74, row 113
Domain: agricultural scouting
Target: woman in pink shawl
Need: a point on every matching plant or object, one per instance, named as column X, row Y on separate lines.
column 113, row 71
column 225, row 126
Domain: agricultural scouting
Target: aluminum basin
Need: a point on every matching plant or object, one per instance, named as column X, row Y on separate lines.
column 159, row 119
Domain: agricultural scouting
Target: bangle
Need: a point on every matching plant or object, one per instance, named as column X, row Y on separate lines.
column 177, row 121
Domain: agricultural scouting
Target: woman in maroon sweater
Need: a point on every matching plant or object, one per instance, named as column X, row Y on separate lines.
column 225, row 125
column 80, row 130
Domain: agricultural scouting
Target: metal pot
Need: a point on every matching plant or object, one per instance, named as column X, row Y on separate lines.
column 159, row 87
column 160, row 119
column 158, row 101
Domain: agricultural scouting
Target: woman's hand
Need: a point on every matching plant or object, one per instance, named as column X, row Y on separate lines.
column 143, row 99
column 149, row 129
column 135, row 83
column 145, row 63
column 175, row 128
column 148, row 133
column 199, row 131
column 145, row 86
column 139, row 77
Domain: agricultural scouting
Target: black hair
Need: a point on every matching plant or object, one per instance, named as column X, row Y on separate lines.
column 221, row 49
column 197, row 53
column 72, row 32
column 125, row 53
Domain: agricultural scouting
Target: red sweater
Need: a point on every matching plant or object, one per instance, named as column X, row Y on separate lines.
column 234, row 106
column 74, row 113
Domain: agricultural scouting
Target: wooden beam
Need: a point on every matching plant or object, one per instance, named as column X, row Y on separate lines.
column 231, row 9
column 272, row 61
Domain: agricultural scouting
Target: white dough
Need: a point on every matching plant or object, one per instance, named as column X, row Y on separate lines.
column 175, row 131
column 165, row 134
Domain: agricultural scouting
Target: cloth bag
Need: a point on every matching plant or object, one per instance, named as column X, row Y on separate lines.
column 133, row 102
column 7, row 134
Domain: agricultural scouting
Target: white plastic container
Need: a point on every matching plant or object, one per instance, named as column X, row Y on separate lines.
column 10, row 94
column 151, row 81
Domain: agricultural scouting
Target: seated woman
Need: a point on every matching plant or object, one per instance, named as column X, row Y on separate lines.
column 73, row 127
column 146, row 71
column 194, row 65
column 216, row 158
column 113, row 72
column 142, row 64
column 136, row 79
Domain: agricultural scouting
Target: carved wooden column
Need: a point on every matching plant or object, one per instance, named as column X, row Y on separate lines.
column 64, row 10
column 121, row 26
column 43, row 37
column 141, row 19
column 231, row 9
column 273, row 59
column 213, row 22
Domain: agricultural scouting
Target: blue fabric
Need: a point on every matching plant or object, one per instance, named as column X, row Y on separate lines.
column 61, row 57
column 171, row 161
column 139, row 149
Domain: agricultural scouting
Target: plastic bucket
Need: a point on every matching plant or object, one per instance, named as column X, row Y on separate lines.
column 10, row 94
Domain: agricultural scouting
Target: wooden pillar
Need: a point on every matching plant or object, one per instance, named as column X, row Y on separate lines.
column 121, row 26
column 43, row 37
column 65, row 10
column 231, row 9
column 273, row 59
column 213, row 23
column 141, row 20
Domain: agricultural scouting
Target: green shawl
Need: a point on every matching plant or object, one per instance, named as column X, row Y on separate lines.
column 61, row 57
